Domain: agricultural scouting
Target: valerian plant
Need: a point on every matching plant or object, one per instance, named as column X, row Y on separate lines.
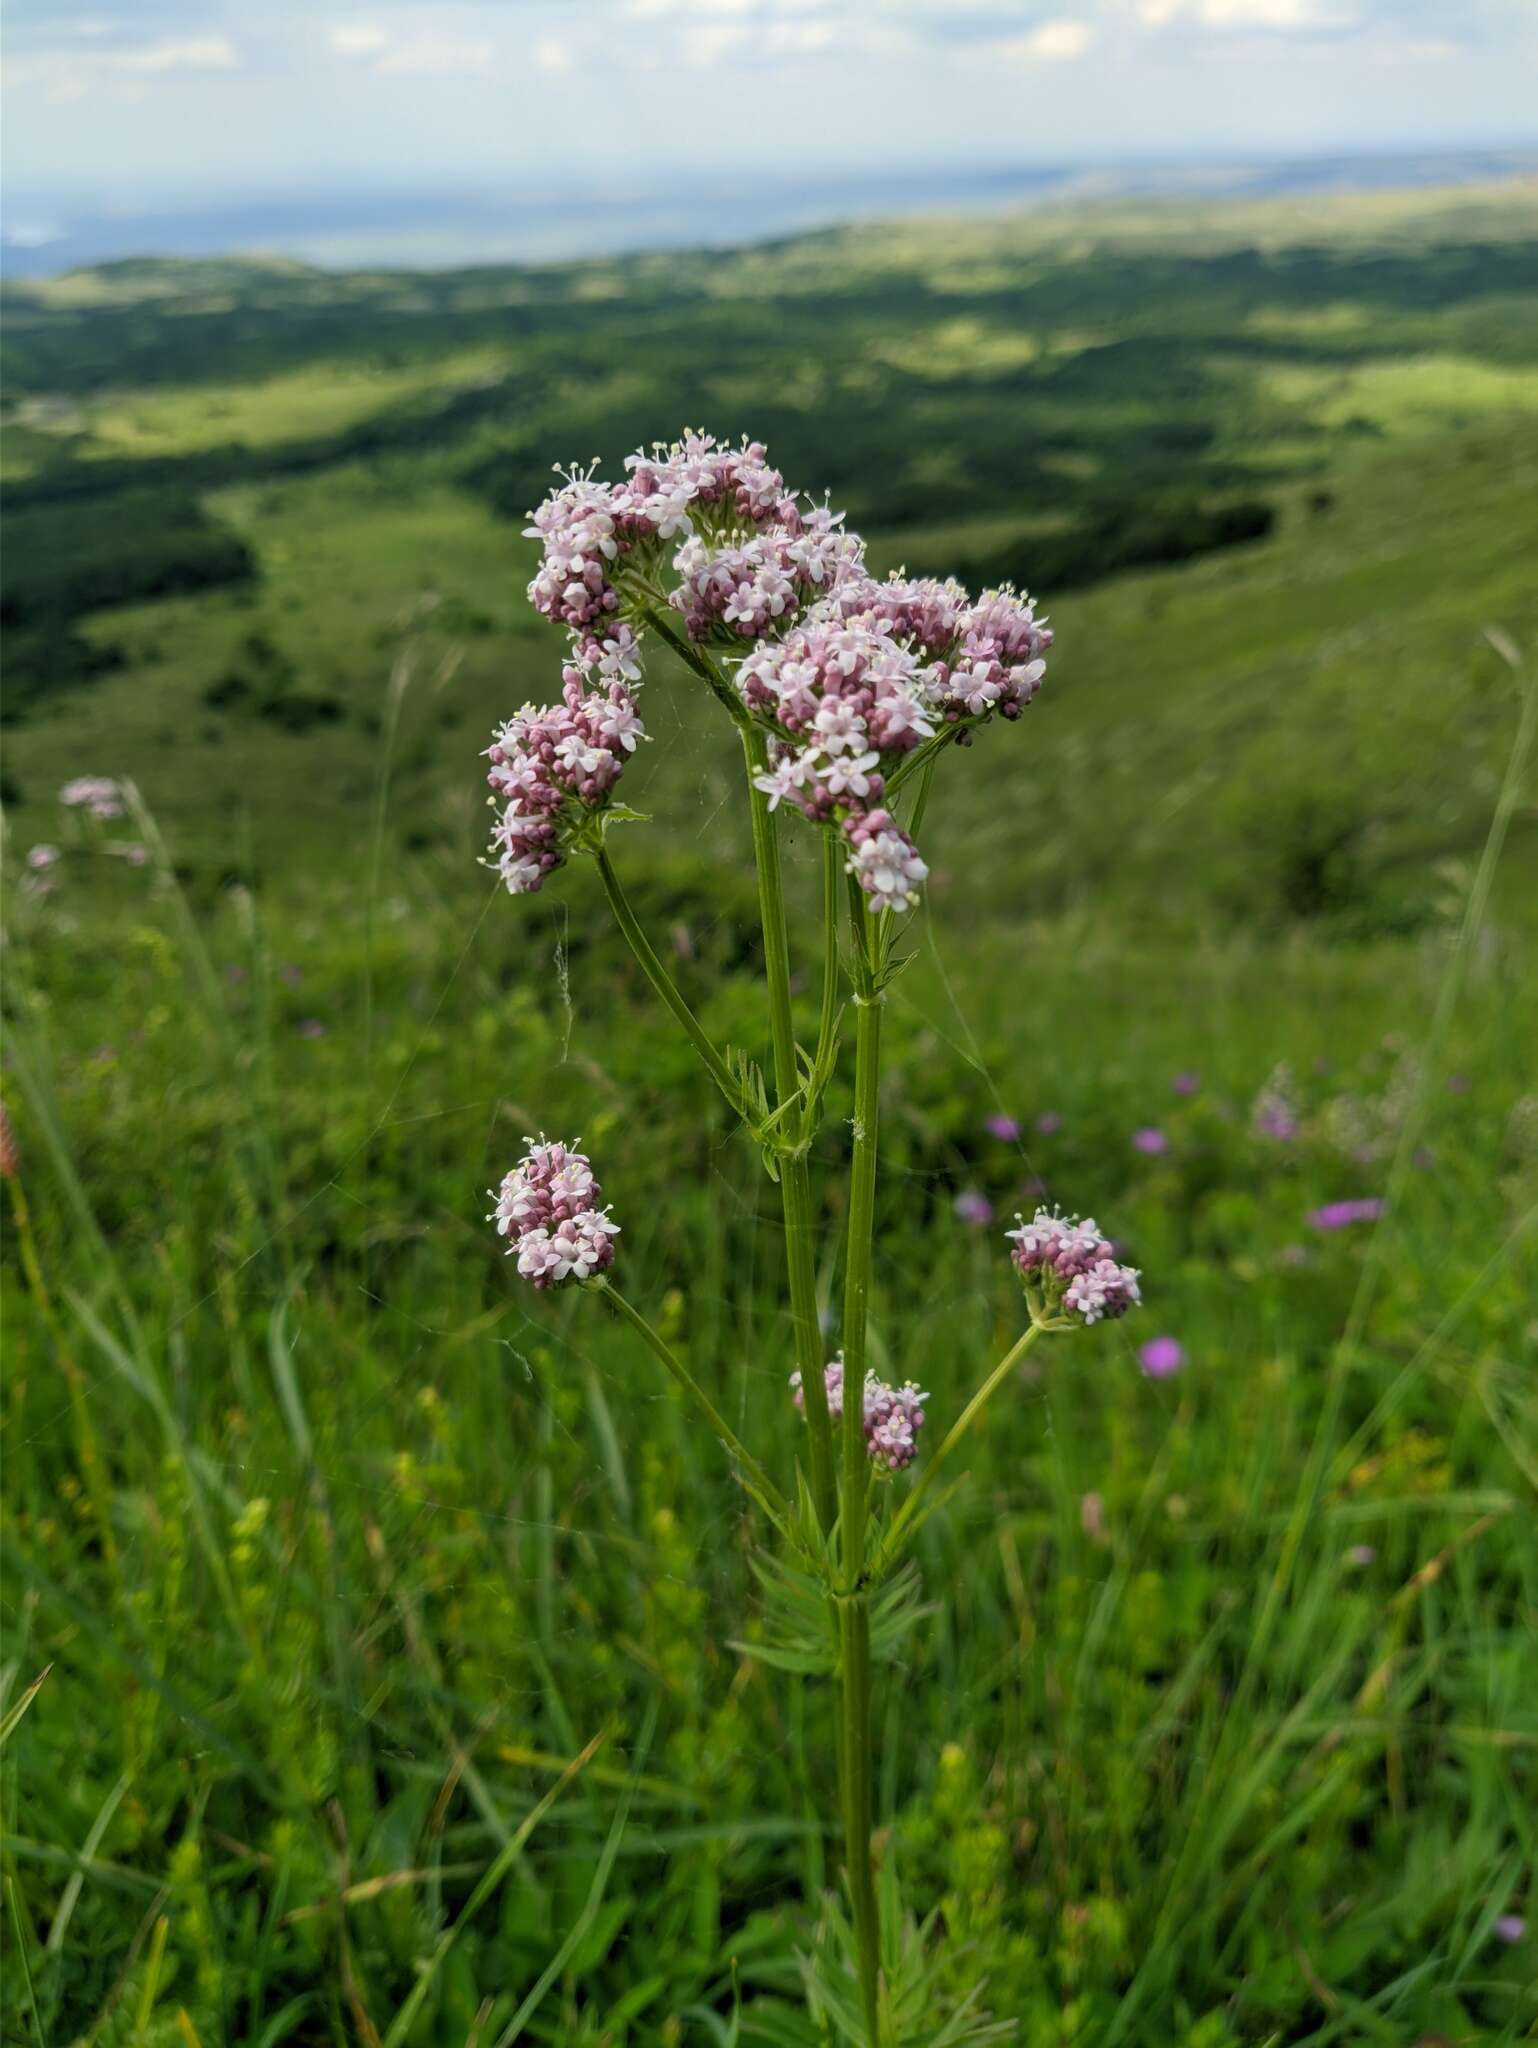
column 845, row 692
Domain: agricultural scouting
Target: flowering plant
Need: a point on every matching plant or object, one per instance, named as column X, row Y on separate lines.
column 845, row 691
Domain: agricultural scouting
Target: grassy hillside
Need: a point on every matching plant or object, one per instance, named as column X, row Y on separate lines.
column 338, row 1548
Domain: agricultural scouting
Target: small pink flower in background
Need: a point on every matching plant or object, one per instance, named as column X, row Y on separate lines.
column 311, row 1027
column 131, row 850
column 1048, row 1122
column 1004, row 1128
column 1150, row 1141
column 1510, row 1928
column 974, row 1208
column 1092, row 1519
column 1162, row 1357
column 1187, row 1084
column 1340, row 1215
column 1360, row 1555
column 97, row 795
column 41, row 858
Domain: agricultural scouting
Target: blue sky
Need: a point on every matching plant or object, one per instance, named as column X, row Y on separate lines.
column 177, row 103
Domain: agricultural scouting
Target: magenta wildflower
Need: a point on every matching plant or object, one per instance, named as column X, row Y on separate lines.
column 1150, row 1141
column 974, row 1207
column 893, row 1416
column 1340, row 1215
column 1187, row 1084
column 1510, row 1928
column 547, row 1209
column 1004, row 1128
column 1162, row 1357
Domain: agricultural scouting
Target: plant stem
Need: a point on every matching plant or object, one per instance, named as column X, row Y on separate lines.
column 661, row 1350
column 957, row 1431
column 855, row 1751
column 665, row 986
column 795, row 1176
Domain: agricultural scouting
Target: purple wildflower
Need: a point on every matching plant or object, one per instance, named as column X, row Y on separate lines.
column 1049, row 1122
column 893, row 1416
column 1510, row 1928
column 1074, row 1266
column 1004, row 1128
column 547, row 1209
column 1187, row 1084
column 1162, row 1357
column 1151, row 1141
column 974, row 1207
column 1339, row 1215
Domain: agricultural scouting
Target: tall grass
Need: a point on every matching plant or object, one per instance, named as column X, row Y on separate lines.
column 388, row 1693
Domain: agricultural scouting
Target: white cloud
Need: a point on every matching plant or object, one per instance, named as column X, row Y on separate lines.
column 1288, row 17
column 554, row 54
column 436, row 56
column 193, row 53
column 1058, row 41
column 358, row 38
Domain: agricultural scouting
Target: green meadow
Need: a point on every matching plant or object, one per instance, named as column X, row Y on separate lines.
column 329, row 1552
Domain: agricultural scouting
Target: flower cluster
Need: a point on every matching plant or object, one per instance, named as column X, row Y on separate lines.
column 547, row 1209
column 589, row 528
column 552, row 767
column 1074, row 1267
column 758, row 586
column 97, row 795
column 893, row 1415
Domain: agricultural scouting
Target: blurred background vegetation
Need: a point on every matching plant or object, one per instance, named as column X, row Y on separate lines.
column 337, row 1550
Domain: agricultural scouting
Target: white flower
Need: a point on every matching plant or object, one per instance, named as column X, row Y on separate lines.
column 848, row 776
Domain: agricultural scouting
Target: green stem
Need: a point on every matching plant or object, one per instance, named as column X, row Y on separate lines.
column 795, row 1176
column 860, row 1241
column 854, row 1609
column 674, row 1366
column 832, row 875
column 702, row 666
column 665, row 986
column 957, row 1431
column 854, row 1615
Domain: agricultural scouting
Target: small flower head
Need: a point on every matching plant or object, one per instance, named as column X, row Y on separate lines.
column 893, row 1416
column 1162, row 1357
column 1341, row 1215
column 97, row 795
column 1069, row 1269
column 547, row 1209
column 41, row 858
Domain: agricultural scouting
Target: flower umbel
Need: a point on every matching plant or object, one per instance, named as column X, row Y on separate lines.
column 893, row 1415
column 1070, row 1270
column 547, row 1209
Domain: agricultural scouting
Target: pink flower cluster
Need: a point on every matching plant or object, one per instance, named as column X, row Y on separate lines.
column 587, row 527
column 868, row 675
column 98, row 795
column 756, row 586
column 552, row 766
column 547, row 1209
column 893, row 1415
column 1074, row 1266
